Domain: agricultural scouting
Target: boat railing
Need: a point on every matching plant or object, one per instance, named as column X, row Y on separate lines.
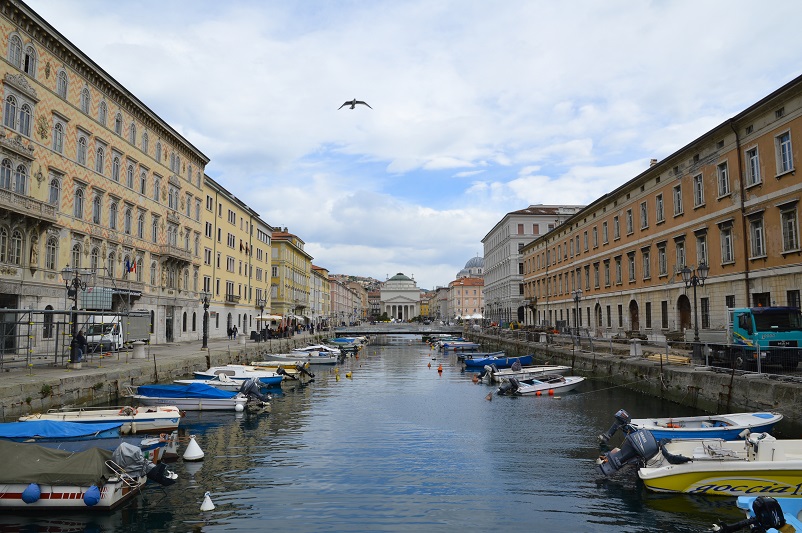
column 120, row 472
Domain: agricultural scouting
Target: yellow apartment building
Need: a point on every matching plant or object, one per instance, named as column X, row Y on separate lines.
column 728, row 200
column 91, row 178
column 321, row 297
column 236, row 262
column 290, row 278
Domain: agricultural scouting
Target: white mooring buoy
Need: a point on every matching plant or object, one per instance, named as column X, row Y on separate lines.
column 194, row 452
column 207, row 504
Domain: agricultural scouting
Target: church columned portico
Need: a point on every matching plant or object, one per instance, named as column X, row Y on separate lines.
column 400, row 298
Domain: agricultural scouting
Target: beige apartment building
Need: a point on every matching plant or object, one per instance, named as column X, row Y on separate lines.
column 237, row 259
column 728, row 200
column 290, row 279
column 91, row 179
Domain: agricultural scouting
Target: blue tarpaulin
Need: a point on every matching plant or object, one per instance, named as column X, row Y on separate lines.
column 54, row 429
column 195, row 390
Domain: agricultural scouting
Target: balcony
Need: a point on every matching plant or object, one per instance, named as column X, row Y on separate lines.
column 232, row 298
column 26, row 206
column 174, row 252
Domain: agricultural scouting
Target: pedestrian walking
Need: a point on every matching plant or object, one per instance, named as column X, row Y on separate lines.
column 80, row 346
column 230, row 333
column 234, row 330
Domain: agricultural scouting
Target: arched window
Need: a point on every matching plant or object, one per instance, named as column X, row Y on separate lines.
column 143, row 185
column 172, row 161
column 10, row 117
column 55, row 192
column 102, row 112
column 47, row 330
column 145, row 142
column 15, row 50
column 153, row 273
column 194, row 321
column 100, row 160
column 110, row 265
column 156, row 186
column 132, row 134
column 195, row 283
column 29, row 61
column 25, row 120
column 3, row 244
column 61, row 84
column 158, row 151
column 96, row 209
column 94, row 259
column 51, row 252
column 129, row 177
column 15, row 251
column 58, row 137
column 78, row 208
column 189, row 174
column 5, row 174
column 139, row 269
column 115, row 169
column 76, row 255
column 140, row 226
column 197, row 246
column 113, row 215
column 85, row 101
column 81, row 155
column 186, row 280
column 184, row 322
column 127, row 221
column 118, row 124
column 20, row 179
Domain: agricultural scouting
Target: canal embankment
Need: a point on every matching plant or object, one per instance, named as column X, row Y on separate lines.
column 27, row 387
column 635, row 367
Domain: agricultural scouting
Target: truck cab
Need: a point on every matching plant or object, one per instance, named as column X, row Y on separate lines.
column 772, row 334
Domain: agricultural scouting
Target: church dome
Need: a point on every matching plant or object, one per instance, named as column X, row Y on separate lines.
column 400, row 277
column 475, row 262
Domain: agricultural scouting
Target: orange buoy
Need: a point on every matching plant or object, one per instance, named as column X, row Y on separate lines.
column 537, row 393
column 440, row 368
column 551, row 392
column 429, row 365
column 475, row 378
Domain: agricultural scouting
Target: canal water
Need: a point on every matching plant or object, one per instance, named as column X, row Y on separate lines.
column 390, row 444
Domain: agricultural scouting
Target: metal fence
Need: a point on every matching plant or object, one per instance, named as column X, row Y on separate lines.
column 30, row 337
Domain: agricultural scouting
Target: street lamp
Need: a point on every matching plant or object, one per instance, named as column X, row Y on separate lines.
column 76, row 279
column 204, row 300
column 693, row 278
column 577, row 294
column 261, row 303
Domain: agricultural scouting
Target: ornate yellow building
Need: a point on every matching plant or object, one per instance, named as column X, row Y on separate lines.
column 290, row 278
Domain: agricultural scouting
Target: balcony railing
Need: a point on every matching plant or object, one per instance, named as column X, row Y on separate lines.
column 232, row 298
column 170, row 250
column 26, row 206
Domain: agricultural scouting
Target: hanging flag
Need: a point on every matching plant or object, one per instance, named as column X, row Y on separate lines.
column 133, row 266
column 127, row 266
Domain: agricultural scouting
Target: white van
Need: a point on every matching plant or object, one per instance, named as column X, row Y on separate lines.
column 107, row 333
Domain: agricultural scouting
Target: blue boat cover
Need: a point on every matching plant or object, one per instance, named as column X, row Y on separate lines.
column 53, row 429
column 194, row 390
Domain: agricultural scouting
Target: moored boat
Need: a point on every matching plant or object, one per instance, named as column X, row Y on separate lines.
column 192, row 397
column 241, row 373
column 492, row 374
column 549, row 384
column 459, row 346
column 36, row 478
column 757, row 465
column 767, row 514
column 153, row 419
column 313, row 358
column 727, row 426
column 319, row 348
column 500, row 362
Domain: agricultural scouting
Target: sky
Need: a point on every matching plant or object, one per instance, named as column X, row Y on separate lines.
column 478, row 108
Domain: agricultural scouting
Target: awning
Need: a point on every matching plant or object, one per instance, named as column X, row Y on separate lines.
column 269, row 317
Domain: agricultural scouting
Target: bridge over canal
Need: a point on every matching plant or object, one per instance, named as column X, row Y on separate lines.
column 387, row 328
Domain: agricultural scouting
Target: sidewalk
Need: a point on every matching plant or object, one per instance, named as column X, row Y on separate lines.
column 25, row 389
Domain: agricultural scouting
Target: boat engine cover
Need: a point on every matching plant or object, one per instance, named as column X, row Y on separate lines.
column 639, row 446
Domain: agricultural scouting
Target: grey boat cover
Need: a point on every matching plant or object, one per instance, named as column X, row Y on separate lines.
column 30, row 463
column 132, row 459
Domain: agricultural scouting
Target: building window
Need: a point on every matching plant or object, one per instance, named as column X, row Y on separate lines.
column 662, row 261
column 790, row 229
column 752, row 167
column 619, row 274
column 145, row 142
column 585, row 239
column 595, row 237
column 704, row 304
column 78, row 208
column 647, row 264
column 127, row 221
column 100, row 160
column 129, row 177
column 10, row 117
column 118, row 124
column 648, row 315
column 729, row 301
column 51, row 252
column 756, row 237
column 115, row 169
column 55, row 192
column 81, row 153
column 5, row 174
column 154, row 229
column 659, row 209
column 113, row 215
column 785, row 157
column 604, row 236
column 110, row 265
column 29, row 61
column 644, row 216
column 61, row 84
column 96, row 210
column 85, row 100
column 102, row 112
column 723, row 179
column 680, row 246
column 701, row 250
column 143, row 182
column 616, row 228
column 630, row 222
column 792, row 298
column 76, row 255
column 698, row 191
column 156, row 186
column 15, row 50
column 677, row 200
column 140, row 226
column 15, row 250
column 664, row 314
column 21, row 180
column 25, row 120
column 727, row 252
column 58, row 137
column 596, row 275
column 132, row 134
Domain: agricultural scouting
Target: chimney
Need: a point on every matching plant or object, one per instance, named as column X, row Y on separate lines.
column 653, row 162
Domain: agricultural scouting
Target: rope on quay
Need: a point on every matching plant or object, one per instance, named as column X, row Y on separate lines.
column 611, row 387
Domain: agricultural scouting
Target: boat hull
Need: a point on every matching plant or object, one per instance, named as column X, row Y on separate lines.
column 725, row 427
column 501, row 362
column 550, row 388
column 782, row 478
column 526, row 373
column 134, row 420
column 113, row 494
column 193, row 404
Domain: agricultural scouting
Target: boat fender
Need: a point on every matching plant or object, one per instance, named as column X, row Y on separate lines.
column 92, row 496
column 32, row 493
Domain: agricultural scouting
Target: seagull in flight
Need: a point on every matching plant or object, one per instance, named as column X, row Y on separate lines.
column 353, row 103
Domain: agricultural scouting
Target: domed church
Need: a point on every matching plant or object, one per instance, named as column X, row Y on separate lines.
column 400, row 297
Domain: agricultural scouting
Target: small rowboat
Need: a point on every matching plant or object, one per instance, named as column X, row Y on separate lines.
column 153, row 419
column 549, row 384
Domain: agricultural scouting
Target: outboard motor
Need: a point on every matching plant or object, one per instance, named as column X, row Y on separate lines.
column 509, row 388
column 638, row 447
column 485, row 371
column 622, row 419
column 252, row 390
column 281, row 372
column 768, row 515
column 303, row 369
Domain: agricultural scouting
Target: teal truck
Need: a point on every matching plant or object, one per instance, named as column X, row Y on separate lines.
column 774, row 334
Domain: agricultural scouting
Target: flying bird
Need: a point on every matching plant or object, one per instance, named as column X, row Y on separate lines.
column 353, row 103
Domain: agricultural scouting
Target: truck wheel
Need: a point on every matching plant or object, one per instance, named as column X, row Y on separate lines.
column 742, row 363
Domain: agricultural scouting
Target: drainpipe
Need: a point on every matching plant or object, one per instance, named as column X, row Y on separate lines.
column 744, row 227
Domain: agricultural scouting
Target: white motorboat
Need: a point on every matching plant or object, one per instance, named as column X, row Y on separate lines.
column 490, row 374
column 319, row 348
column 242, row 373
column 193, row 397
column 152, row 419
column 313, row 358
column 221, row 381
column 549, row 384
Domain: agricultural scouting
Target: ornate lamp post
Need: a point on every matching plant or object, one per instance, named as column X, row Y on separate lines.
column 75, row 279
column 694, row 277
column 261, row 303
column 577, row 294
column 204, row 300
